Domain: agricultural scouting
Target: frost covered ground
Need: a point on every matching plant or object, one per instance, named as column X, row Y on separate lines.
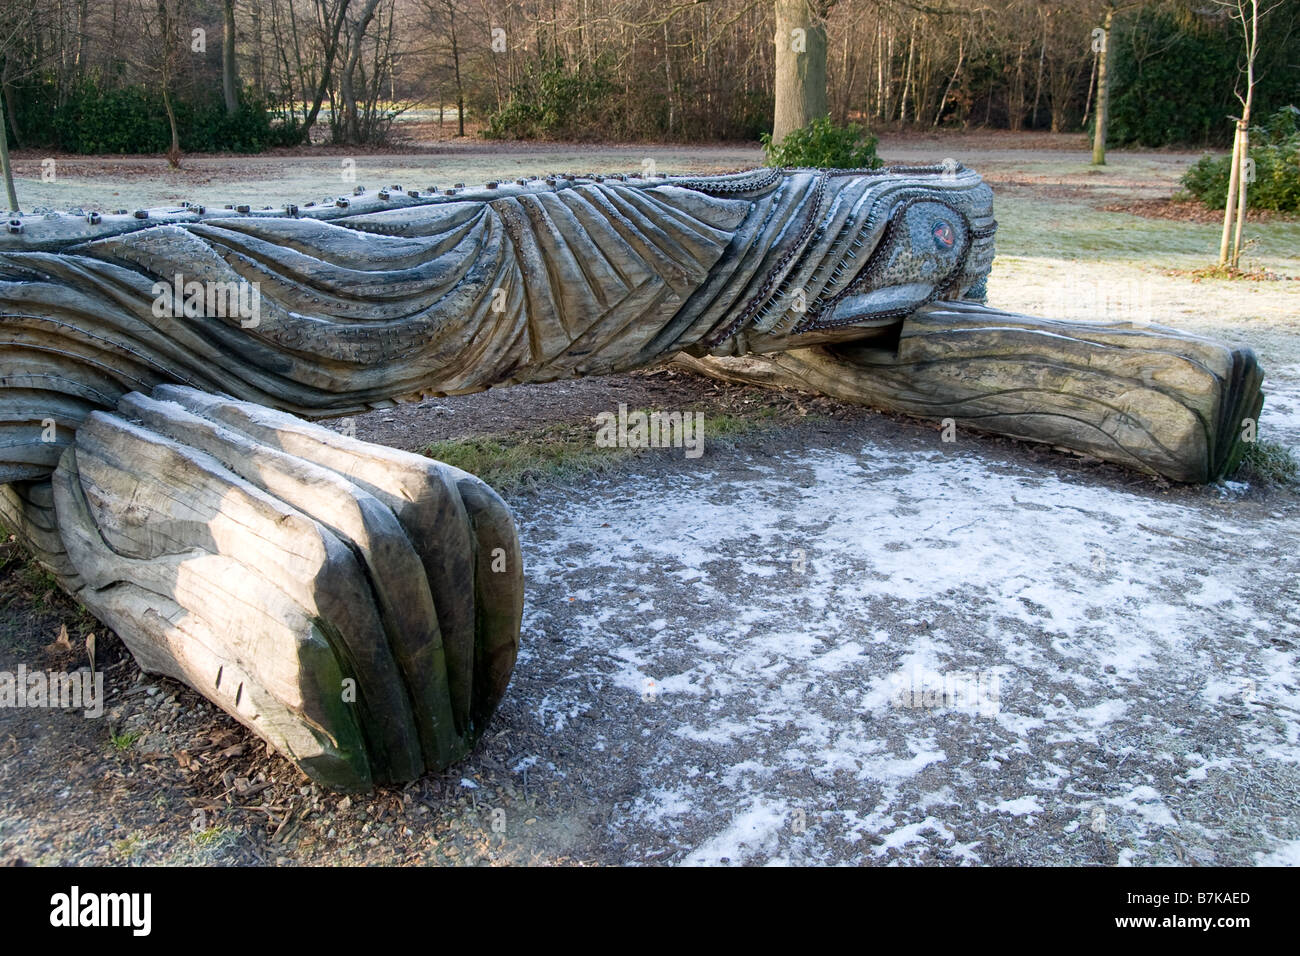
column 768, row 639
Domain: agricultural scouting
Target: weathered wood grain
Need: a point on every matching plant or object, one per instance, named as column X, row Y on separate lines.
column 276, row 585
column 1153, row 399
column 395, row 300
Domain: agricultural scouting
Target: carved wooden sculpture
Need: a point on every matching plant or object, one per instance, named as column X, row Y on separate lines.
column 359, row 607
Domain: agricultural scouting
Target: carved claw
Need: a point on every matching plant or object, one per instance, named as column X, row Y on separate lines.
column 356, row 606
column 1151, row 398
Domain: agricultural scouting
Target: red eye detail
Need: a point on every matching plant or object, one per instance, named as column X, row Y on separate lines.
column 944, row 237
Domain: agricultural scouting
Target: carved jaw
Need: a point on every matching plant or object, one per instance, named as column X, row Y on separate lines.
column 857, row 255
column 921, row 258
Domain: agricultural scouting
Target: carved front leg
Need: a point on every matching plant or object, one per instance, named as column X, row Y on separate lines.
column 356, row 606
column 1147, row 397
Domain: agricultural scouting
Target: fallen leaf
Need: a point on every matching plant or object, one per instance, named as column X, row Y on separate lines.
column 62, row 643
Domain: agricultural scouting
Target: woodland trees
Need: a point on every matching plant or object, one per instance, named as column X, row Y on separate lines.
column 93, row 76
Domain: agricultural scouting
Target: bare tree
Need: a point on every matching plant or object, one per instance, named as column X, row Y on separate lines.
column 686, row 69
column 164, row 48
column 16, row 23
column 5, row 166
column 1101, row 44
column 350, row 127
column 330, row 22
column 1248, row 13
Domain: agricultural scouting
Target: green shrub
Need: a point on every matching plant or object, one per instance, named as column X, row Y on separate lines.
column 205, row 128
column 94, row 118
column 1275, row 148
column 1270, row 463
column 554, row 102
column 130, row 119
column 823, row 145
column 1173, row 73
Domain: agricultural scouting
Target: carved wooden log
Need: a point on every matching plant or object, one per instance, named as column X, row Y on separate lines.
column 334, row 310
column 1154, row 399
column 356, row 606
column 270, row 563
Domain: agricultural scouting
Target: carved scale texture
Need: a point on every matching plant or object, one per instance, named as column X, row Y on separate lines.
column 397, row 299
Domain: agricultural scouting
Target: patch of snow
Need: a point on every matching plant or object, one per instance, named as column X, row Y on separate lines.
column 752, row 833
column 1288, row 854
column 1020, row 807
column 1114, row 622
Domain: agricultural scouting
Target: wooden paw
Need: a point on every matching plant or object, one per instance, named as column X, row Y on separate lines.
column 356, row 606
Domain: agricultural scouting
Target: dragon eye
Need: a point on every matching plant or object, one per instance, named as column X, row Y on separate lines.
column 943, row 233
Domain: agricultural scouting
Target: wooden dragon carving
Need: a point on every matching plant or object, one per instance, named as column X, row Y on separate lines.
column 358, row 606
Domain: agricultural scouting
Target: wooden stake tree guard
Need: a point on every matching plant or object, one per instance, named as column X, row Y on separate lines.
column 359, row 607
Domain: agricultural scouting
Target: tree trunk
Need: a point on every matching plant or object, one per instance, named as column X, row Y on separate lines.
column 1230, row 201
column 83, row 12
column 259, row 56
column 167, row 29
column 1092, row 84
column 229, row 70
column 668, row 82
column 5, row 166
column 174, row 153
column 1016, row 96
column 961, row 57
column 800, row 67
column 907, row 77
column 880, row 72
column 1103, row 93
column 455, row 61
column 7, row 90
column 1038, row 79
column 1242, row 187
column 1252, row 46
